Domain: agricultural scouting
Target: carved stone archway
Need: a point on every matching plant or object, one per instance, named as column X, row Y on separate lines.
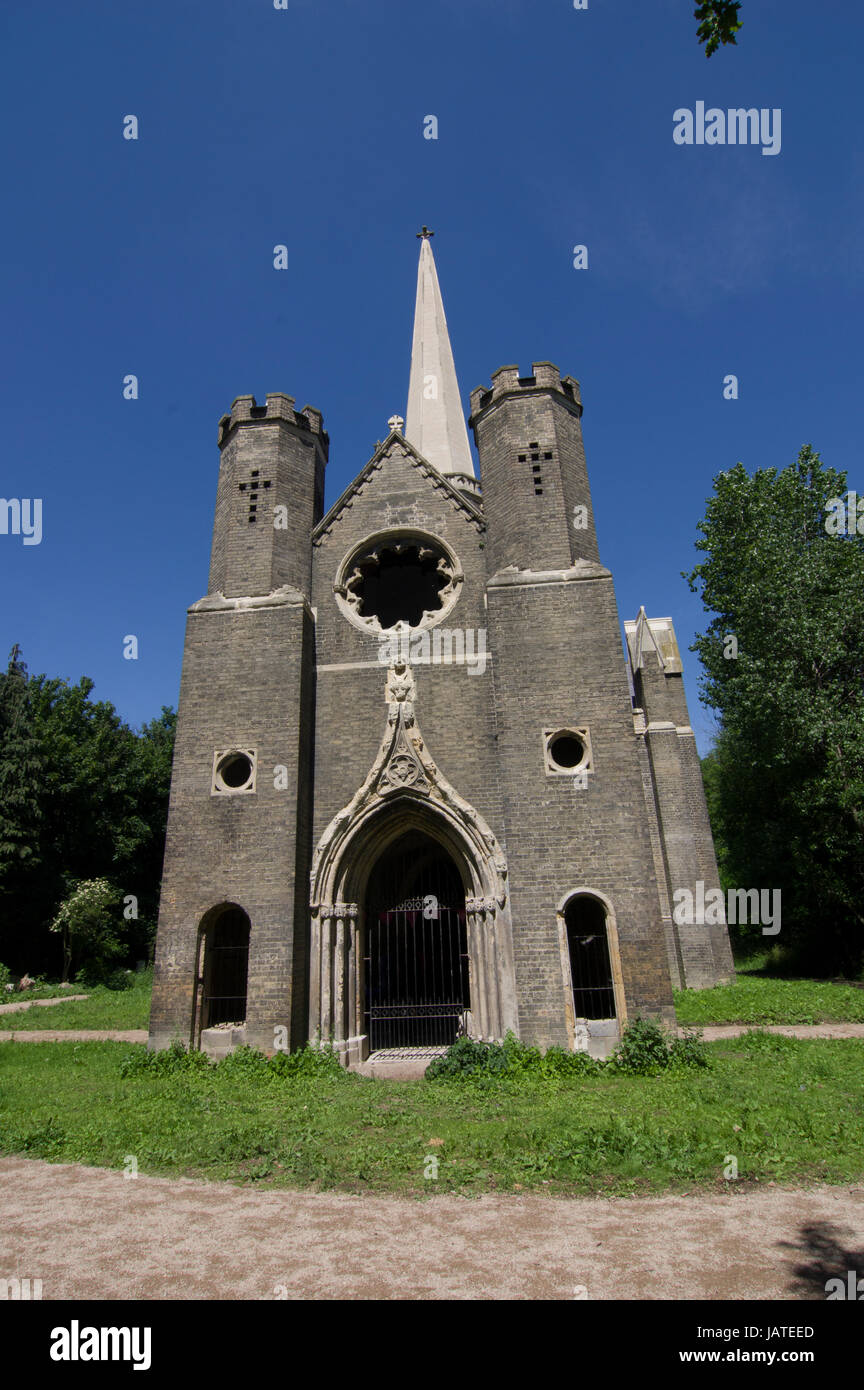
column 404, row 790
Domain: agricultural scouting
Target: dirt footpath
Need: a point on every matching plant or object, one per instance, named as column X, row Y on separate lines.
column 40, row 1003
column 138, row 1035
column 397, row 1072
column 89, row 1233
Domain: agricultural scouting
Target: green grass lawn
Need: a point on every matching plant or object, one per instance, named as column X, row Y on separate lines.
column 103, row 1008
column 787, row 1110
column 24, row 996
column 755, row 998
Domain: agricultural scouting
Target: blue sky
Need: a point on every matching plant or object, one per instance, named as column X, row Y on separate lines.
column 305, row 127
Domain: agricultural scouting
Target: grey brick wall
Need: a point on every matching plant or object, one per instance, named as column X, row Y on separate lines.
column 271, row 662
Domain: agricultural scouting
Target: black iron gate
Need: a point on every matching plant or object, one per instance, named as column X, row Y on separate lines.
column 416, row 958
column 226, row 964
column 590, row 962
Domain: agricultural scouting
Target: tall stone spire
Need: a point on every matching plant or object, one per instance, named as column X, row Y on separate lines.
column 434, row 421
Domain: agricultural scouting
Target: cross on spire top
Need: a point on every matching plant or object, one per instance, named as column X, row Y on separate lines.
column 425, row 234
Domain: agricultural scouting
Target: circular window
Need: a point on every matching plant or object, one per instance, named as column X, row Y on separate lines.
column 234, row 771
column 398, row 578
column 566, row 750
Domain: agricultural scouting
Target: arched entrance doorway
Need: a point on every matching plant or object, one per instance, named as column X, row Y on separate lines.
column 224, row 970
column 416, row 947
column 590, row 959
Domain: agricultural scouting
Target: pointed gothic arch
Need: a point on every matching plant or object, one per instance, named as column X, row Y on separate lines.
column 404, row 791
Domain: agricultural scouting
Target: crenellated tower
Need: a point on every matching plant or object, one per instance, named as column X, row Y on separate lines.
column 233, row 941
column 575, row 822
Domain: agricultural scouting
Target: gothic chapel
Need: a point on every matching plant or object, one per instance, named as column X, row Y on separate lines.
column 416, row 791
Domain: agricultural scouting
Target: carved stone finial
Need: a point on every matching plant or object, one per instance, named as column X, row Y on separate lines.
column 395, row 423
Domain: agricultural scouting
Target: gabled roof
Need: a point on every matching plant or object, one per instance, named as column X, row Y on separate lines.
column 396, row 441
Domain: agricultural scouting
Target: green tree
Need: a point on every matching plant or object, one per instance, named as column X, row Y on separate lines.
column 718, row 23
column 82, row 797
column 90, row 923
column 786, row 777
column 20, row 772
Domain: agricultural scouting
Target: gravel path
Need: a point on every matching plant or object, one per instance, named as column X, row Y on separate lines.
column 789, row 1030
column 138, row 1035
column 39, row 1003
column 90, row 1233
column 710, row 1034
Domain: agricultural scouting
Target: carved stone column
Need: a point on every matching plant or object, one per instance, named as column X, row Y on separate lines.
column 477, row 971
column 338, row 1033
column 493, row 1004
column 326, row 1016
column 333, row 975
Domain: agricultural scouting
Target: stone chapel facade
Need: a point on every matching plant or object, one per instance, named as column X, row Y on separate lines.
column 416, row 791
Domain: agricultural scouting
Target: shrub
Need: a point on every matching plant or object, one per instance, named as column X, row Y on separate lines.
column 465, row 1058
column 557, row 1061
column 100, row 973
column 242, row 1061
column 5, row 977
column 689, row 1050
column 171, row 1059
column 512, row 1058
column 90, row 923
column 646, row 1049
column 307, row 1061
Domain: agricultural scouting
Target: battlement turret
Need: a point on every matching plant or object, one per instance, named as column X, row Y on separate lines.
column 507, row 382
column 278, row 406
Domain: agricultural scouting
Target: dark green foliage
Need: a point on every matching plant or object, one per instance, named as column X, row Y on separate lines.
column 718, row 23
column 98, row 973
column 82, row 797
column 646, row 1049
column 467, row 1058
column 785, row 780
column 243, row 1061
column 512, row 1059
column 688, row 1051
column 307, row 1061
column 170, row 1060
column 21, row 770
